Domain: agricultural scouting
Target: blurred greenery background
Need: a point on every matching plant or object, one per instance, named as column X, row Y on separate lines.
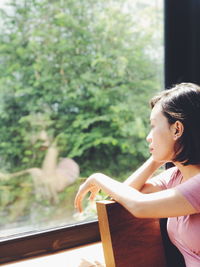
column 82, row 72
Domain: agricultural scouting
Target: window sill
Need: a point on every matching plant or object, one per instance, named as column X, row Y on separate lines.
column 67, row 258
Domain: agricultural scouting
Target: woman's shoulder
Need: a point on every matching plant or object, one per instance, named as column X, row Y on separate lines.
column 167, row 178
column 190, row 189
column 175, row 177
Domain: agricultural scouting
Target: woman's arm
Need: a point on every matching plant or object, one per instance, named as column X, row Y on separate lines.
column 166, row 203
column 138, row 179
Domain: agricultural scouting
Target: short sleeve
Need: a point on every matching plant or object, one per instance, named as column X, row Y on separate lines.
column 191, row 191
column 165, row 179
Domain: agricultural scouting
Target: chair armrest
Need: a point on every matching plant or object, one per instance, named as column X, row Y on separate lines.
column 129, row 241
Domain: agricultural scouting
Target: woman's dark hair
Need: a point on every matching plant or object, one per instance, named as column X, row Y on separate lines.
column 182, row 103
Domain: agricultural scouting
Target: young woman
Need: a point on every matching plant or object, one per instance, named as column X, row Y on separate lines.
column 175, row 193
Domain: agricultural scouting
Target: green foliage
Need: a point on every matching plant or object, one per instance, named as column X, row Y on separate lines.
column 84, row 72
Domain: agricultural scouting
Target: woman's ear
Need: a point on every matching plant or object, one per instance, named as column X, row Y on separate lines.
column 177, row 129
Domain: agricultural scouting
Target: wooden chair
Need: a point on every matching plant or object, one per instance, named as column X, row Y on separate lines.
column 133, row 242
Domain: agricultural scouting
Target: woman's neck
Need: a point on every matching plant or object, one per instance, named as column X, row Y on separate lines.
column 188, row 171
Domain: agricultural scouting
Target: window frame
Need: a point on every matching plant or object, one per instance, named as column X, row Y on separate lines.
column 21, row 246
column 179, row 65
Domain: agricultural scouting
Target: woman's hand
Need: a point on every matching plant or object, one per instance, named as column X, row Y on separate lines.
column 89, row 185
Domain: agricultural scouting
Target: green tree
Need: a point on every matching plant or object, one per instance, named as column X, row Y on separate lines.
column 84, row 72
column 81, row 71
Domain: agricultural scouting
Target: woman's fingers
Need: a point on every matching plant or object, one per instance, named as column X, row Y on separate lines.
column 78, row 204
column 93, row 194
column 83, row 190
column 78, row 200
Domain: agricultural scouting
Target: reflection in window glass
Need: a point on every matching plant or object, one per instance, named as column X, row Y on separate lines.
column 76, row 78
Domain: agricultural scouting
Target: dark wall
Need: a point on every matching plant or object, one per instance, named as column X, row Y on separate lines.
column 182, row 41
column 182, row 64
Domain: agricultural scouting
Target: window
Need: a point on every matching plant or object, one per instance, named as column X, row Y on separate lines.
column 75, row 84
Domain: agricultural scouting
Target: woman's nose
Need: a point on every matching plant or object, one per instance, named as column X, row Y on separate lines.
column 149, row 138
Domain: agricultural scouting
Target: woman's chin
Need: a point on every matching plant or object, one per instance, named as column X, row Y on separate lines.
column 160, row 159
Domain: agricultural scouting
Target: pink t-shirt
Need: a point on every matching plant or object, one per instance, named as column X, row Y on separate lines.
column 184, row 231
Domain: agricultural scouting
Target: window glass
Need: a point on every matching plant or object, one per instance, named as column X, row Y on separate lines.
column 76, row 78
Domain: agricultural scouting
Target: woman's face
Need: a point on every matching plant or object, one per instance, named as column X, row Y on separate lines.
column 161, row 137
